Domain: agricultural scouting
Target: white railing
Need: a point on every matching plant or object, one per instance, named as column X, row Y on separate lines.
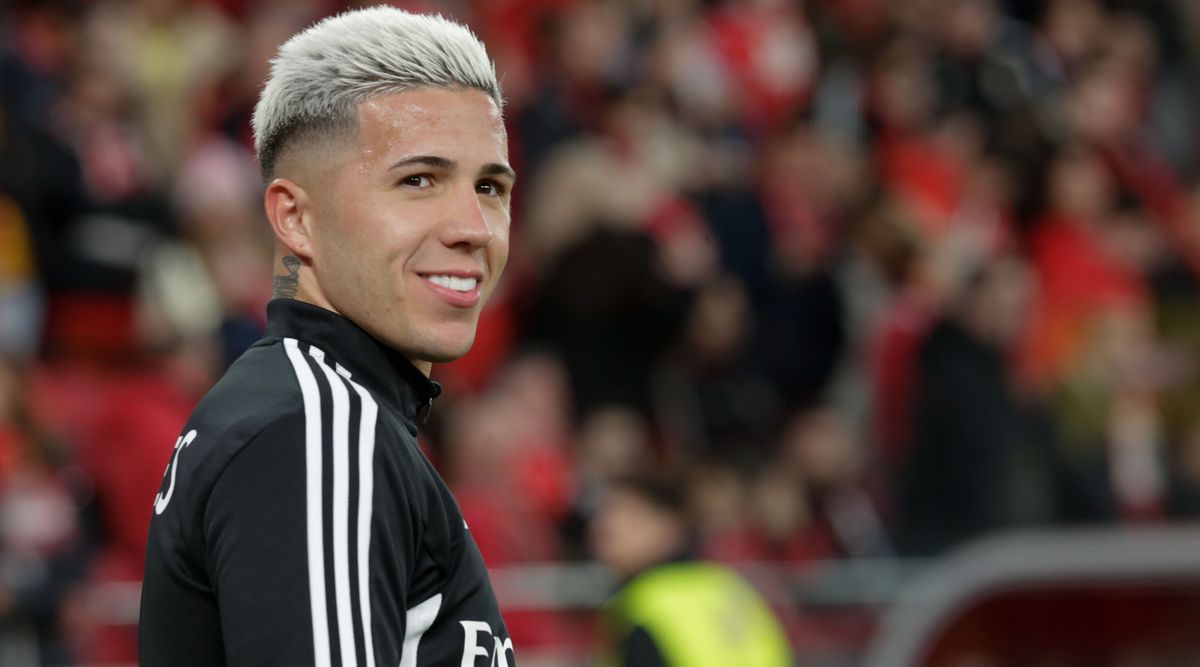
column 572, row 587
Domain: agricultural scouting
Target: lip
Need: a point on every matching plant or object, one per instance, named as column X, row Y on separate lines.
column 454, row 297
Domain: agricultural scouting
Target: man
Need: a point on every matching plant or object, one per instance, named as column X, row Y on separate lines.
column 970, row 434
column 298, row 523
column 672, row 611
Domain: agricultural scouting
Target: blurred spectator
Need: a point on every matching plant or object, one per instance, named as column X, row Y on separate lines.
column 170, row 53
column 218, row 209
column 605, row 306
column 967, row 422
column 812, row 501
column 611, row 442
column 709, row 402
column 672, row 610
column 45, row 537
column 1110, row 434
column 820, row 451
column 513, row 477
column 1080, row 272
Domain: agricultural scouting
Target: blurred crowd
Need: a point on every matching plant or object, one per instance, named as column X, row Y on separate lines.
column 872, row 277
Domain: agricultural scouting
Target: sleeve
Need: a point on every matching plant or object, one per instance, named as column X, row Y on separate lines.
column 284, row 530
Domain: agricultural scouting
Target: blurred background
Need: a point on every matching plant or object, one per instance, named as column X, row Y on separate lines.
column 874, row 280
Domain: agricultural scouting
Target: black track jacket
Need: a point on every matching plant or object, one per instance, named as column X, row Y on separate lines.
column 299, row 524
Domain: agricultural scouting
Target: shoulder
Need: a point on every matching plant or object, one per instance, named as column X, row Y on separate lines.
column 668, row 585
column 258, row 390
column 284, row 398
column 258, row 395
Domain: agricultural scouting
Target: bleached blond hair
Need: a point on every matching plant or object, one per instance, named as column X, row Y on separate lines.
column 323, row 73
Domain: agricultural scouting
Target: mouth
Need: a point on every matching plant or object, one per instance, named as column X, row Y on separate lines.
column 462, row 284
column 458, row 290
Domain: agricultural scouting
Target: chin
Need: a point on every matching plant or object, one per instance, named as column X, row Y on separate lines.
column 441, row 356
column 446, row 347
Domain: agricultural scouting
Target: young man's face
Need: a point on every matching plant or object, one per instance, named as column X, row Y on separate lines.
column 412, row 221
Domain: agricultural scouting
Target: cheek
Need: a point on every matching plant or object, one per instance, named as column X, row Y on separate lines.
column 498, row 248
column 333, row 230
column 353, row 256
column 499, row 254
column 367, row 238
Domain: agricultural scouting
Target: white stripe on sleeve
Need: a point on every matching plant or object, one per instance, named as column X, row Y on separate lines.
column 366, row 491
column 341, row 509
column 312, row 457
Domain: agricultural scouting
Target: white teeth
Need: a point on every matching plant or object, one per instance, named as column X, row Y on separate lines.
column 454, row 282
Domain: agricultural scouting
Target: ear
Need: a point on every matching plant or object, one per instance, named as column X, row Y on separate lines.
column 289, row 211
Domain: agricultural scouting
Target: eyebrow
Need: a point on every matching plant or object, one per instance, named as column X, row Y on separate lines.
column 497, row 169
column 439, row 162
column 435, row 161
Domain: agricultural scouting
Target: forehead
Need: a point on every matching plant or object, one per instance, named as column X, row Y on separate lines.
column 459, row 123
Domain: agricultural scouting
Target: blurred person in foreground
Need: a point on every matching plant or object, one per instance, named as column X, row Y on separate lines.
column 298, row 522
column 671, row 609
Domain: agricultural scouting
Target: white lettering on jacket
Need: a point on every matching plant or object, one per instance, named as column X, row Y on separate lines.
column 161, row 500
column 472, row 647
column 500, row 654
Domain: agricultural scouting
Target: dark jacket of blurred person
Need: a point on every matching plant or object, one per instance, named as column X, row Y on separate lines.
column 607, row 309
column 966, row 416
column 672, row 610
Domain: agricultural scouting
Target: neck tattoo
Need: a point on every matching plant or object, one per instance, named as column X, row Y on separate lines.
column 285, row 285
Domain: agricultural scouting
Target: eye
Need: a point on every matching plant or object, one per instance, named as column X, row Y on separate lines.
column 417, row 181
column 490, row 187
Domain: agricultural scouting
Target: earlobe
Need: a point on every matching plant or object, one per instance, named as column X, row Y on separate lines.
column 287, row 207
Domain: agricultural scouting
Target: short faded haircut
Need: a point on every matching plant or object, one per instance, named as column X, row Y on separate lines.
column 323, row 73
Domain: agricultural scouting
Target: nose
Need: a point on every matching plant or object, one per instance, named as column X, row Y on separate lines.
column 466, row 224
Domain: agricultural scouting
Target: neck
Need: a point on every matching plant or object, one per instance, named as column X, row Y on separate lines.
column 294, row 279
column 286, row 282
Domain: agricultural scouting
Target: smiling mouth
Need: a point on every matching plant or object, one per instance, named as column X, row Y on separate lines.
column 456, row 283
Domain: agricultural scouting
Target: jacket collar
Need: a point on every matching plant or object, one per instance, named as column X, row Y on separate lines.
column 379, row 368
